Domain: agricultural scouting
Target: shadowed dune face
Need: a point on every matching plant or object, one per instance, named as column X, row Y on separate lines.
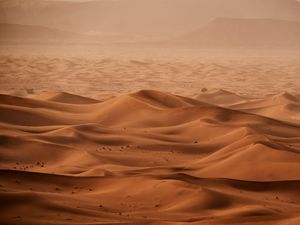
column 148, row 157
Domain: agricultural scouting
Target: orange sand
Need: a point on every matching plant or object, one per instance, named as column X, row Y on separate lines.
column 150, row 158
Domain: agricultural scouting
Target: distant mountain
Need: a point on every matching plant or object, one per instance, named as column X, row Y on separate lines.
column 26, row 33
column 230, row 32
column 140, row 17
column 39, row 34
column 27, row 4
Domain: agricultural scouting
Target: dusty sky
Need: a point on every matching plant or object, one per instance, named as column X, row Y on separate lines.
column 142, row 17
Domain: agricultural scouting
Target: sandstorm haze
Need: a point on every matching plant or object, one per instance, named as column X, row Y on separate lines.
column 142, row 20
column 157, row 112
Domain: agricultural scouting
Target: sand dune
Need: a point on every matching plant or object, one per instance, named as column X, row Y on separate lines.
column 148, row 158
column 161, row 112
column 221, row 97
column 283, row 106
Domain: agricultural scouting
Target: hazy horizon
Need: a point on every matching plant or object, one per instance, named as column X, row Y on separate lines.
column 142, row 20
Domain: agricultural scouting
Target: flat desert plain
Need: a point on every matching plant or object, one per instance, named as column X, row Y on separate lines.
column 123, row 136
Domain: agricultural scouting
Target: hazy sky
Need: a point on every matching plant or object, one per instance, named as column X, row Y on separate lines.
column 142, row 17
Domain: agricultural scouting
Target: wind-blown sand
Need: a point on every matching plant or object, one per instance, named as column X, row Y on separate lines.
column 149, row 158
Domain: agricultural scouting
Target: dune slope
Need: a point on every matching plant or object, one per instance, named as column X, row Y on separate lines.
column 149, row 158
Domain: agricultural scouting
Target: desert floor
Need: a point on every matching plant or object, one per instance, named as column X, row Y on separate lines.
column 128, row 136
column 97, row 71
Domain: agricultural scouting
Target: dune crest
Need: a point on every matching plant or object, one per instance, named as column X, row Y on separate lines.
column 284, row 106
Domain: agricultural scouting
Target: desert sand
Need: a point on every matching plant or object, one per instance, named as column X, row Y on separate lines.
column 161, row 112
column 101, row 72
column 84, row 141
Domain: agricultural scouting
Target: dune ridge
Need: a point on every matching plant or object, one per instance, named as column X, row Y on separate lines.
column 149, row 157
